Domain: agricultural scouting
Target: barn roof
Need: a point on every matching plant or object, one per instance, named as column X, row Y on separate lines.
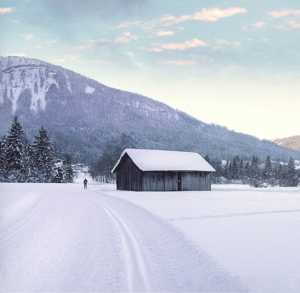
column 158, row 160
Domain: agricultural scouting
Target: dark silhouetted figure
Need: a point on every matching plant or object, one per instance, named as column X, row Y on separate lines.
column 85, row 183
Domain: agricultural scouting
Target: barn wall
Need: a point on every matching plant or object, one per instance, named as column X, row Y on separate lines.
column 168, row 181
column 130, row 177
column 196, row 181
column 171, row 181
column 154, row 181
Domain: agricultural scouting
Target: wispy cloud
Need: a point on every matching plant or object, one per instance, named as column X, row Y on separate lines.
column 155, row 50
column 179, row 63
column 129, row 35
column 91, row 43
column 6, row 10
column 181, row 46
column 283, row 13
column 28, row 37
column 294, row 24
column 221, row 42
column 15, row 54
column 128, row 24
column 164, row 33
column 51, row 42
column 288, row 17
column 117, row 41
column 59, row 60
column 66, row 58
column 259, row 24
column 208, row 15
column 238, row 45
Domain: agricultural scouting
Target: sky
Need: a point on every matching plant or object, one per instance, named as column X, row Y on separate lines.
column 232, row 63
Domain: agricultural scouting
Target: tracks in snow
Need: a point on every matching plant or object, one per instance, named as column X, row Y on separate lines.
column 138, row 272
column 26, row 221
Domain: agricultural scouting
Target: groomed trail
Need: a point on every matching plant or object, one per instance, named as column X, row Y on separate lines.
column 61, row 237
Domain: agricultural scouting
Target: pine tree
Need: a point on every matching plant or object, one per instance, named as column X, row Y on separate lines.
column 241, row 169
column 255, row 174
column 68, row 171
column 2, row 161
column 248, row 171
column 43, row 156
column 291, row 176
column 14, row 153
column 280, row 174
column 267, row 172
column 207, row 159
column 28, row 158
column 235, row 167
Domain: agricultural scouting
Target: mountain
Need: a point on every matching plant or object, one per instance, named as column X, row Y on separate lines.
column 84, row 117
column 292, row 142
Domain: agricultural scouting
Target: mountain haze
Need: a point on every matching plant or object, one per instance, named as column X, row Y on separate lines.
column 83, row 116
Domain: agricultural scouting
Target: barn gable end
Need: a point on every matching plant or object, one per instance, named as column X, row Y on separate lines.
column 129, row 176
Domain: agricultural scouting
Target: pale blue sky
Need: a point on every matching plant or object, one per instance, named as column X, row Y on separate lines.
column 234, row 63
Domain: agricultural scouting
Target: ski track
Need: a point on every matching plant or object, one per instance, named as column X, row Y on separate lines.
column 173, row 263
column 70, row 239
column 138, row 272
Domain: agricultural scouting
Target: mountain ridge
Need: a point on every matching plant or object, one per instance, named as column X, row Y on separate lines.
column 82, row 116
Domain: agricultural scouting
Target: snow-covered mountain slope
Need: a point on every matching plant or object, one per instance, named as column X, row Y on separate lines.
column 63, row 238
column 82, row 116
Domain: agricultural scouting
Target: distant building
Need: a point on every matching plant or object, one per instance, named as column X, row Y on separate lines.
column 157, row 170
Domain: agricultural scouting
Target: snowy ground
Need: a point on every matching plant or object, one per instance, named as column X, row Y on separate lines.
column 60, row 237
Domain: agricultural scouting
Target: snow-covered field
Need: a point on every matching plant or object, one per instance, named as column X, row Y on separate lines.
column 60, row 237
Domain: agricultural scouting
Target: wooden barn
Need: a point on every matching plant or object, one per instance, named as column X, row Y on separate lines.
column 157, row 170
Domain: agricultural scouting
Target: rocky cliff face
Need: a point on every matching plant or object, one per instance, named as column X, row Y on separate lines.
column 19, row 74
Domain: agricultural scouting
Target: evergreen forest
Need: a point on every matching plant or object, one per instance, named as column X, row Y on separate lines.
column 22, row 161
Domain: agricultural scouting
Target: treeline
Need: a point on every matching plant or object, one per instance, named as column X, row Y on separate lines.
column 256, row 173
column 21, row 161
column 252, row 172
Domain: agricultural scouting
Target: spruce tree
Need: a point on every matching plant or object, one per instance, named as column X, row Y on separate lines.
column 255, row 174
column 207, row 159
column 68, row 171
column 291, row 176
column 2, row 161
column 267, row 172
column 43, row 156
column 248, row 171
column 14, row 153
column 235, row 168
column 28, row 158
column 241, row 169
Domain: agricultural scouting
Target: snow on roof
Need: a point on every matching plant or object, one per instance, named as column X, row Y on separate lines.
column 158, row 160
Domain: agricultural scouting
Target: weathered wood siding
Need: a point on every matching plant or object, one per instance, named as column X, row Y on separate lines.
column 169, row 181
column 153, row 181
column 196, row 181
column 130, row 177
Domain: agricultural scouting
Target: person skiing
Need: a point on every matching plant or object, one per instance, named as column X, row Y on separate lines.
column 85, row 183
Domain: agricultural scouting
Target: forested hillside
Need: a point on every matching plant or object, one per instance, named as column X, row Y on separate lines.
column 87, row 119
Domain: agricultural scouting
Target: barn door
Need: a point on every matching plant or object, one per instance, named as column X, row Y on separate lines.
column 179, row 182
